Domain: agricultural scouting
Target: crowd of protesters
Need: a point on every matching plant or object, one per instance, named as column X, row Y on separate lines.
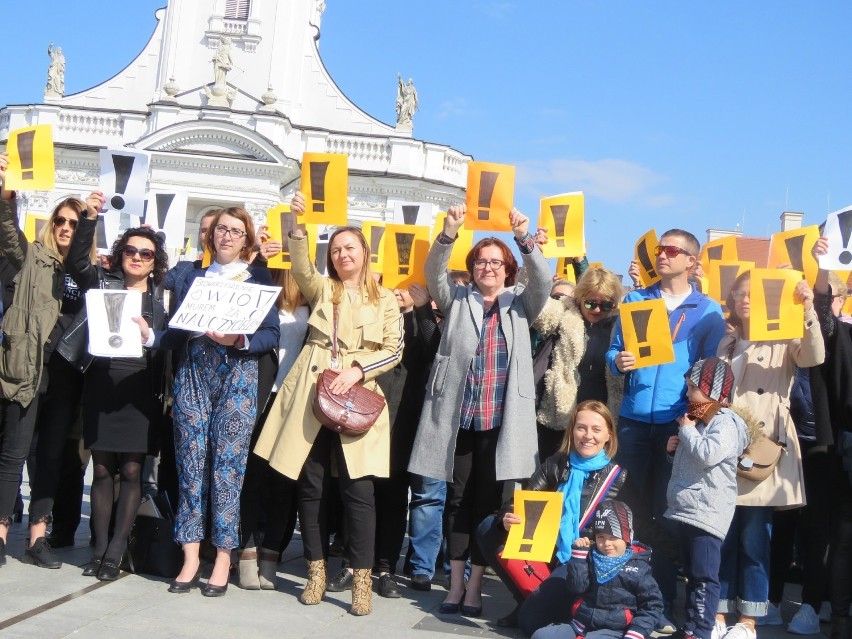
column 495, row 376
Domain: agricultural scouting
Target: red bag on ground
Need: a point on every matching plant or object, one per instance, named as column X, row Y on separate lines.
column 527, row 575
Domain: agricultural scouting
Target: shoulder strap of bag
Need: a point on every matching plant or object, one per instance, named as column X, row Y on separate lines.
column 334, row 361
column 599, row 495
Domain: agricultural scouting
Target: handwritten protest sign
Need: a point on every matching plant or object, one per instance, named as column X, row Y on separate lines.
column 534, row 539
column 224, row 306
column 112, row 331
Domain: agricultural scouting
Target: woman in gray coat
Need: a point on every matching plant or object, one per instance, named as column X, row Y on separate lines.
column 478, row 422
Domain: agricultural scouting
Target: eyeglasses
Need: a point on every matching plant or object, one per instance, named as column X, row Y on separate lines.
column 495, row 265
column 146, row 255
column 60, row 221
column 739, row 296
column 234, row 234
column 670, row 251
column 605, row 307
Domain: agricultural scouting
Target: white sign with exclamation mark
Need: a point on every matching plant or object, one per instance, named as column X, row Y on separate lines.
column 123, row 181
column 838, row 230
column 112, row 331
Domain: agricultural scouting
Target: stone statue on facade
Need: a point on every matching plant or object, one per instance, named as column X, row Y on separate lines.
column 55, row 73
column 406, row 103
column 220, row 94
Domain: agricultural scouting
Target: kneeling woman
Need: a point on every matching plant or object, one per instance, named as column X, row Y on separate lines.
column 121, row 405
column 583, row 471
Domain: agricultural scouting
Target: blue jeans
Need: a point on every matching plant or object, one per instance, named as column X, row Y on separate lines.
column 744, row 572
column 642, row 453
column 701, row 557
column 426, row 523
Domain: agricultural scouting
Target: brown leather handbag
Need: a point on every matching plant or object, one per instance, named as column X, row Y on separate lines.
column 353, row 413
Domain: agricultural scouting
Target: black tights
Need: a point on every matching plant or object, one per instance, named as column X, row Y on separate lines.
column 106, row 464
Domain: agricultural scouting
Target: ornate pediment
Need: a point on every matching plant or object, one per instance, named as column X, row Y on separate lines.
column 220, row 140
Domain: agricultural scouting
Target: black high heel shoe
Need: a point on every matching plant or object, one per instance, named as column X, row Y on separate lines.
column 182, row 587
column 109, row 570
column 214, row 591
column 92, row 568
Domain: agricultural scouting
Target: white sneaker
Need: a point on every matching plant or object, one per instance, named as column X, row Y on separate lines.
column 804, row 622
column 771, row 618
column 720, row 629
column 741, row 631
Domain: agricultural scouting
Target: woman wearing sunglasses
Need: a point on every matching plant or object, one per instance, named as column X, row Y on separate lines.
column 580, row 328
column 45, row 301
column 121, row 396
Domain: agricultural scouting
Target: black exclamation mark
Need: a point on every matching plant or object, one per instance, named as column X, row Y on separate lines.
column 487, row 181
column 794, row 251
column 532, row 514
column 560, row 219
column 640, row 323
column 123, row 168
column 318, row 171
column 409, row 213
column 845, row 221
column 100, row 234
column 114, row 304
column 25, row 152
column 645, row 259
column 772, row 290
column 285, row 254
column 727, row 277
column 404, row 242
column 164, row 203
column 376, row 233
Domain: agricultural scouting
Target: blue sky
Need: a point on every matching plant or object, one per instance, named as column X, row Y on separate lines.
column 667, row 114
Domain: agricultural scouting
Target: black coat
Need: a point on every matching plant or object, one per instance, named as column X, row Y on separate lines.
column 630, row 602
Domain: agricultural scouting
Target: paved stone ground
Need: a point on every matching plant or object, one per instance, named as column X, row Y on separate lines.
column 36, row 602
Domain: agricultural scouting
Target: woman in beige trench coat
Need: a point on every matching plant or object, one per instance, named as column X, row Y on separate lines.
column 369, row 343
column 764, row 377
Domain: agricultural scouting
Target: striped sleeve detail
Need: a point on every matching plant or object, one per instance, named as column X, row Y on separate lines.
column 633, row 634
column 613, row 474
column 579, row 628
column 392, row 359
column 579, row 553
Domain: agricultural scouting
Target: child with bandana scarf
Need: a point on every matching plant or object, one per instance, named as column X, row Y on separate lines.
column 616, row 595
column 702, row 492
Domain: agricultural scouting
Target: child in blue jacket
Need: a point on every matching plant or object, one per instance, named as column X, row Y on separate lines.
column 617, row 596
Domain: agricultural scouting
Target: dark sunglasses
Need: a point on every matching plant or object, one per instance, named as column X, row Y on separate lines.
column 60, row 221
column 670, row 251
column 605, row 307
column 146, row 255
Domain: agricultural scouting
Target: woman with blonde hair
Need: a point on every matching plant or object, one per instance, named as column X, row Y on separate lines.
column 358, row 319
column 579, row 328
column 45, row 302
column 215, row 410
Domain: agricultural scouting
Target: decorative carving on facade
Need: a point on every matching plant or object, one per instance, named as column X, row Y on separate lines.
column 170, row 89
column 189, row 139
column 90, row 123
column 220, row 94
column 406, row 104
column 360, row 148
column 269, row 99
column 78, row 176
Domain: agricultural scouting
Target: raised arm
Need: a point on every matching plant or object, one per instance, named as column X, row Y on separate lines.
column 441, row 287
column 311, row 282
column 77, row 262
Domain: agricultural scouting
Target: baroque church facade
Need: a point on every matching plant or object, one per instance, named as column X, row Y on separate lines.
column 226, row 96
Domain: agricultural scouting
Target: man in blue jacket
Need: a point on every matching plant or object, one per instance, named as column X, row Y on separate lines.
column 654, row 396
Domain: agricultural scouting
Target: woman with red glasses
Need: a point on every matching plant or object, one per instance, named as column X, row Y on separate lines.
column 121, row 396
column 579, row 328
column 45, row 301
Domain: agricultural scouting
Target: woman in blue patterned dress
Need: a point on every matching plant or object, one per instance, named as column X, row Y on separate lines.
column 214, row 411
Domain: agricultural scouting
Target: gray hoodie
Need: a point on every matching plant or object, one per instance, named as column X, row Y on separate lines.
column 703, row 489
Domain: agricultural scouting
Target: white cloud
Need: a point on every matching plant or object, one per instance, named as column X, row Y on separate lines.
column 611, row 180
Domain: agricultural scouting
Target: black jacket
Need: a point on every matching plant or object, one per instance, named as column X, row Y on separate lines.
column 555, row 470
column 630, row 602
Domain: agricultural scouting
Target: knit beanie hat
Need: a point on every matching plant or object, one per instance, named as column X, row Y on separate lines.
column 714, row 378
column 614, row 518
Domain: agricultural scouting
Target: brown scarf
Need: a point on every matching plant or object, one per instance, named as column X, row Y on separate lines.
column 703, row 411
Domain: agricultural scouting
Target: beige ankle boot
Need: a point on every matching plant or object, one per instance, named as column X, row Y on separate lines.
column 315, row 588
column 267, row 568
column 247, row 568
column 362, row 592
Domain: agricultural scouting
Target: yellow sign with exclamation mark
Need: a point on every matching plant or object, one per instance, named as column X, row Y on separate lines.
column 535, row 537
column 564, row 218
column 406, row 248
column 325, row 178
column 645, row 326
column 31, row 162
column 374, row 233
column 490, row 193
